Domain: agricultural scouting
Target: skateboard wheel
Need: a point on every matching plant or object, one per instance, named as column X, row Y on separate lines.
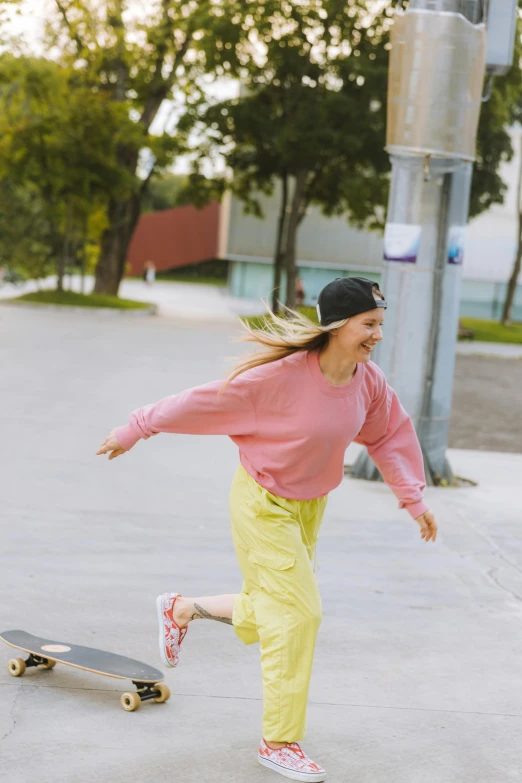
column 163, row 692
column 16, row 667
column 130, row 701
column 48, row 665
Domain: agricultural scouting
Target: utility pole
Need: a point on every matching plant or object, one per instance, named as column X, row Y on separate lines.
column 437, row 67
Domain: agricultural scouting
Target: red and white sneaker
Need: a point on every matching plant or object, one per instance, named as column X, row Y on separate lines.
column 170, row 634
column 291, row 762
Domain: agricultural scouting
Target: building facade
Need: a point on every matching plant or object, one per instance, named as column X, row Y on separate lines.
column 330, row 247
column 175, row 238
column 327, row 247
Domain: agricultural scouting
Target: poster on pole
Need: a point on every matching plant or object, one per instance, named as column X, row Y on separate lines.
column 456, row 244
column 401, row 242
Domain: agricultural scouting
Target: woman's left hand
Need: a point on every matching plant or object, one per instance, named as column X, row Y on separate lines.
column 428, row 526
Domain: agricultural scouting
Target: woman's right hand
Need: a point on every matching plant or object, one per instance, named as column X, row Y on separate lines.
column 111, row 447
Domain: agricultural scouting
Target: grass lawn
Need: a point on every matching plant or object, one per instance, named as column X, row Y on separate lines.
column 217, row 281
column 493, row 332
column 82, row 300
column 256, row 321
column 484, row 331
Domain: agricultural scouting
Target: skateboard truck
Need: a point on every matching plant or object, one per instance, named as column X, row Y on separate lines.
column 17, row 666
column 144, row 691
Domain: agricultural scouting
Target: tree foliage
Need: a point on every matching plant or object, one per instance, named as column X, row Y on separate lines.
column 498, row 114
column 138, row 63
column 311, row 117
column 26, row 240
column 57, row 153
column 165, row 192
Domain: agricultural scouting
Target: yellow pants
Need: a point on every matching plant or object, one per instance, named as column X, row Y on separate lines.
column 279, row 605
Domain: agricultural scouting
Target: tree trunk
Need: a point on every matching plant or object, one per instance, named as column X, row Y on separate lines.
column 116, row 237
column 279, row 255
column 291, row 238
column 83, row 253
column 512, row 285
column 123, row 217
column 64, row 255
column 82, row 263
column 73, row 253
column 82, row 273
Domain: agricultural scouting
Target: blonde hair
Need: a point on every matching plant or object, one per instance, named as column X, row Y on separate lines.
column 281, row 337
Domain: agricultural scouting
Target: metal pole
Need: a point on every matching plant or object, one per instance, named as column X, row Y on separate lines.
column 418, row 352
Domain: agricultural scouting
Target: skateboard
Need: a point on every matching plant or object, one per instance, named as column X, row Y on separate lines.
column 46, row 653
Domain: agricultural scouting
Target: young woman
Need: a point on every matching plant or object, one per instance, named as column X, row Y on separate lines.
column 292, row 409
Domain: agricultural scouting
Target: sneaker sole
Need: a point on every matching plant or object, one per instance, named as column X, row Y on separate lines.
column 307, row 777
column 159, row 610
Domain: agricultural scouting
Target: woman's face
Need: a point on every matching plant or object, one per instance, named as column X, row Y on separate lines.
column 361, row 334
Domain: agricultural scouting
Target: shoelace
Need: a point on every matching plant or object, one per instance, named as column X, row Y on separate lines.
column 296, row 748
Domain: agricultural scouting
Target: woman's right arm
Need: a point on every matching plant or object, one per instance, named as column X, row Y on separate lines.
column 198, row 411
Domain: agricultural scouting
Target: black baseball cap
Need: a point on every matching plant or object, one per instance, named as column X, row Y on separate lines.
column 345, row 297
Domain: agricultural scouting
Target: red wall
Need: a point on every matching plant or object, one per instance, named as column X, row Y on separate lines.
column 175, row 237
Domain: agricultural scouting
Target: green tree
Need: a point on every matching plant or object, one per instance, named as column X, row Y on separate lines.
column 311, row 117
column 138, row 64
column 501, row 111
column 26, row 240
column 507, row 309
column 58, row 142
column 498, row 114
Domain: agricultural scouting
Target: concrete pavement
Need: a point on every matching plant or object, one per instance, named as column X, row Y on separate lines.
column 417, row 674
column 206, row 303
column 192, row 301
column 478, row 348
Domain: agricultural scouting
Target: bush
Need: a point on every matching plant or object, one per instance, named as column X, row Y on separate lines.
column 214, row 269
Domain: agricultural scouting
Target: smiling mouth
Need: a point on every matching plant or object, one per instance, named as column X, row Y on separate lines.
column 368, row 348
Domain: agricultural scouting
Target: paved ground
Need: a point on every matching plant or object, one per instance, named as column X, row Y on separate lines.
column 487, row 404
column 485, row 417
column 498, row 350
column 205, row 303
column 417, row 674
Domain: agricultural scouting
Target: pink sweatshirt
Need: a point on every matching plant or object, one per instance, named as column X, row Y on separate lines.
column 293, row 427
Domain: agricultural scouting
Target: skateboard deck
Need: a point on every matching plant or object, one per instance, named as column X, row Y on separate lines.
column 46, row 653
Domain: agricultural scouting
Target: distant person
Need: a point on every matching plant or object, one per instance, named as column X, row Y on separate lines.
column 292, row 409
column 299, row 292
column 149, row 273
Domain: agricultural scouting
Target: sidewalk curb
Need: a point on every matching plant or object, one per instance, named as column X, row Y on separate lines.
column 152, row 310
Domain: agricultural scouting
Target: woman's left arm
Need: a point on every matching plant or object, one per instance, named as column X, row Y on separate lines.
column 392, row 443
